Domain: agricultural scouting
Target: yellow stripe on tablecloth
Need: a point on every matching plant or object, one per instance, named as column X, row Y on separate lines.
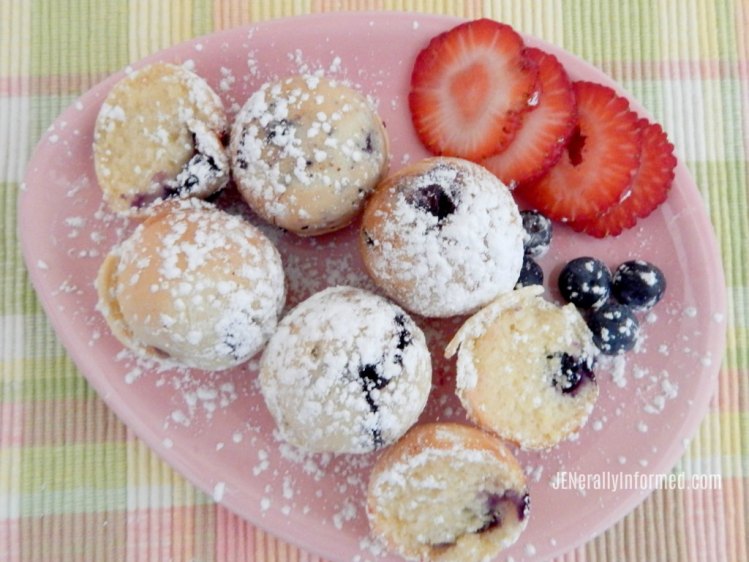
column 15, row 35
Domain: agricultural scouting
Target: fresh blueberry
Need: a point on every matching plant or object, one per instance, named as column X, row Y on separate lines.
column 571, row 372
column 615, row 328
column 530, row 274
column 638, row 284
column 585, row 282
column 537, row 233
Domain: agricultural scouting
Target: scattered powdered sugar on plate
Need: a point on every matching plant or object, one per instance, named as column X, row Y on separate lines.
column 292, row 481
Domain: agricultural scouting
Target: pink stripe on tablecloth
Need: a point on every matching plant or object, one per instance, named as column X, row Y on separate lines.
column 10, row 540
column 60, row 84
column 11, row 424
column 235, row 538
column 50, row 422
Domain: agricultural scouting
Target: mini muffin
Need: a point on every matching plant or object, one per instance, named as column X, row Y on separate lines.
column 159, row 135
column 346, row 372
column 448, row 492
column 525, row 369
column 442, row 237
column 193, row 286
column 306, row 151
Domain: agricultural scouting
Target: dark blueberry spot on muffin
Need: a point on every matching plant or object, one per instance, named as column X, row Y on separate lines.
column 368, row 240
column 371, row 379
column 434, row 200
column 571, row 373
column 277, row 131
column 368, row 143
column 139, row 201
column 497, row 504
column 308, row 163
column 405, row 338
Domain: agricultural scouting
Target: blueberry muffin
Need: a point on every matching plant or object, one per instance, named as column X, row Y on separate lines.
column 448, row 492
column 159, row 135
column 306, row 151
column 442, row 237
column 193, row 286
column 347, row 372
column 525, row 369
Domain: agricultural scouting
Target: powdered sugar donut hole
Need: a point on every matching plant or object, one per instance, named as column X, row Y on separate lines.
column 306, row 151
column 347, row 371
column 448, row 492
column 159, row 135
column 193, row 286
column 442, row 237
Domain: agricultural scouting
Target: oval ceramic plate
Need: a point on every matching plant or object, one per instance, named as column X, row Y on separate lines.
column 215, row 429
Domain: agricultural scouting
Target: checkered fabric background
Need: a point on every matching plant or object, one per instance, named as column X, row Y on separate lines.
column 76, row 485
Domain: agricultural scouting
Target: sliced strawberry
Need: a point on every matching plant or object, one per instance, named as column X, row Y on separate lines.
column 599, row 162
column 541, row 139
column 648, row 190
column 469, row 89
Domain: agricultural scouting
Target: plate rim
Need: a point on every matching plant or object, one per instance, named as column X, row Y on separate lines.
column 149, row 435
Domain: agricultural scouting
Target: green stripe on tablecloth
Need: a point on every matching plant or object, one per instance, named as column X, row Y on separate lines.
column 202, row 17
column 18, row 296
column 728, row 208
column 633, row 36
column 75, row 465
column 63, row 31
column 74, row 499
column 58, row 380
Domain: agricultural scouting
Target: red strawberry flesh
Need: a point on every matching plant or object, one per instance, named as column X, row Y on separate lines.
column 541, row 139
column 648, row 190
column 469, row 89
column 599, row 164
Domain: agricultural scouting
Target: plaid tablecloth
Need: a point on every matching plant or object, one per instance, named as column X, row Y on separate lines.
column 75, row 484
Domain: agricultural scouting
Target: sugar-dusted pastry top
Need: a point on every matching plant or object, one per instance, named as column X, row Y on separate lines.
column 448, row 492
column 159, row 135
column 442, row 237
column 193, row 285
column 306, row 151
column 346, row 371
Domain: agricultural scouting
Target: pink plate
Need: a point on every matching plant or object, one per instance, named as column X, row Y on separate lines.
column 215, row 429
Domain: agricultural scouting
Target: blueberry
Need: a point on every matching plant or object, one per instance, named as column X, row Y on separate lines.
column 530, row 274
column 585, row 282
column 537, row 233
column 615, row 328
column 638, row 284
column 571, row 372
column 434, row 200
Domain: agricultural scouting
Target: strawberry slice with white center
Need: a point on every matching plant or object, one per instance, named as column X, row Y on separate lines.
column 648, row 190
column 599, row 162
column 541, row 139
column 469, row 89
